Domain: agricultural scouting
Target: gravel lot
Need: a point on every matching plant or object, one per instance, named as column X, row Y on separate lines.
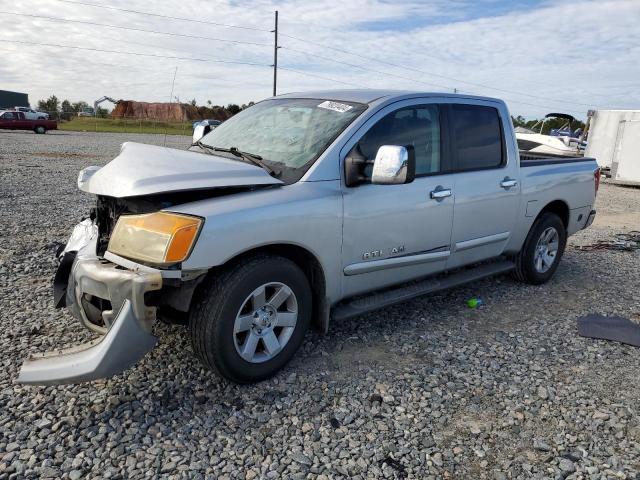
column 427, row 389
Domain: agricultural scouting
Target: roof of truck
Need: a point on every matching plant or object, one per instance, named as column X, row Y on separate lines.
column 365, row 95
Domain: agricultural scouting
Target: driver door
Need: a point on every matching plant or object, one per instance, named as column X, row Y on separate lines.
column 395, row 233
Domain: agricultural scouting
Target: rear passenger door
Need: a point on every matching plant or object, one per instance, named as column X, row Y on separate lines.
column 486, row 184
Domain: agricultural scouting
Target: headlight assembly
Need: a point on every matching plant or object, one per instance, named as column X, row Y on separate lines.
column 160, row 238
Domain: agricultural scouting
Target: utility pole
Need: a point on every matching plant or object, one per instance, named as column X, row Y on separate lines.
column 275, row 55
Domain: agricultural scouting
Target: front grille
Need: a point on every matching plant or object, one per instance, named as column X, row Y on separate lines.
column 108, row 210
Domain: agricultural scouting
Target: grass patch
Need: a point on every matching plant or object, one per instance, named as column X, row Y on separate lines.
column 125, row 125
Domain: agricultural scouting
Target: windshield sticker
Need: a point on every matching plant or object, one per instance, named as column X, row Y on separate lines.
column 335, row 106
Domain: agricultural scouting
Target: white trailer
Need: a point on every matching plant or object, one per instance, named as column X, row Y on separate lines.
column 605, row 133
column 625, row 167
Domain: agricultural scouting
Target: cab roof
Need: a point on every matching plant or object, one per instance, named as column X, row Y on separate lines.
column 369, row 96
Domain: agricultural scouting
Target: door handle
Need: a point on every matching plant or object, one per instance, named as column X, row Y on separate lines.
column 440, row 193
column 508, row 183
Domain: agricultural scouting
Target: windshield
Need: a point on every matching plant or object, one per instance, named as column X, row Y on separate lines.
column 288, row 133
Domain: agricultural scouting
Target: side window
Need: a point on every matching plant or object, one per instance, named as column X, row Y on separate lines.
column 418, row 126
column 8, row 116
column 477, row 136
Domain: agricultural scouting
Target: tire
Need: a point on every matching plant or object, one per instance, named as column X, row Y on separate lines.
column 40, row 129
column 223, row 322
column 532, row 264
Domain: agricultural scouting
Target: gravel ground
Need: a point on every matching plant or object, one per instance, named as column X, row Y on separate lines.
column 427, row 389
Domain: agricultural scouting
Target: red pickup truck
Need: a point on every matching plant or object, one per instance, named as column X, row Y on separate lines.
column 17, row 121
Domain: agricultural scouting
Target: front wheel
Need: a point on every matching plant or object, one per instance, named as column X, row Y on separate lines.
column 249, row 321
column 542, row 250
column 40, row 129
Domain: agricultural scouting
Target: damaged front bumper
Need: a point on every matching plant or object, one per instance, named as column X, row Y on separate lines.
column 128, row 323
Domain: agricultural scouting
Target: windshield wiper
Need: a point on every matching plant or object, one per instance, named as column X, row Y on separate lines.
column 204, row 146
column 247, row 156
column 250, row 157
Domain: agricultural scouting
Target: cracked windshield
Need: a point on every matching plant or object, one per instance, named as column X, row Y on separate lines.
column 291, row 133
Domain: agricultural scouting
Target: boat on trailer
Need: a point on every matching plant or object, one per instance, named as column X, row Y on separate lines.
column 565, row 143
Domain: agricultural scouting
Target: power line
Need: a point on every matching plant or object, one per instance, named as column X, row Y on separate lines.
column 172, row 34
column 183, row 19
column 140, row 54
column 174, row 57
column 387, row 73
column 202, row 76
column 312, row 43
column 322, row 77
column 347, row 52
column 397, row 76
column 379, row 72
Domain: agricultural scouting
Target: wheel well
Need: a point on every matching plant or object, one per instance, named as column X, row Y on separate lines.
column 311, row 267
column 560, row 208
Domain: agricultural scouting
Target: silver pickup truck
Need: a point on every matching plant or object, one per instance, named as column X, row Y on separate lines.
column 301, row 209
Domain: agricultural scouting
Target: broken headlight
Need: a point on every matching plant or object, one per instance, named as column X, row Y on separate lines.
column 160, row 238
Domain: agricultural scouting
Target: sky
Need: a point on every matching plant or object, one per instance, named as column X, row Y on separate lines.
column 539, row 56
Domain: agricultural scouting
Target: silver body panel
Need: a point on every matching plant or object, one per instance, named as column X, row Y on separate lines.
column 365, row 237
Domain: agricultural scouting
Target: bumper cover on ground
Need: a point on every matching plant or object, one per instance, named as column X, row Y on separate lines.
column 128, row 339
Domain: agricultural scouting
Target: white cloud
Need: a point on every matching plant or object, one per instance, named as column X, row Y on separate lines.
column 562, row 56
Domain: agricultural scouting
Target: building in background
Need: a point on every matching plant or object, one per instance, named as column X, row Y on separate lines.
column 13, row 99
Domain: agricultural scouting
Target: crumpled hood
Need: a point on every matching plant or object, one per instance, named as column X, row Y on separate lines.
column 142, row 169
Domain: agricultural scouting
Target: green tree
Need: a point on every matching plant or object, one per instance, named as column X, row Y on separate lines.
column 51, row 105
column 233, row 108
column 102, row 112
column 80, row 106
column 67, row 110
column 518, row 121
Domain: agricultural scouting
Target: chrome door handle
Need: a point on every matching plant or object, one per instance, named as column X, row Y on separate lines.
column 440, row 192
column 508, row 183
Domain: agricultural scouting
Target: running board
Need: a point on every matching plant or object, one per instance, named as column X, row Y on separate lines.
column 381, row 299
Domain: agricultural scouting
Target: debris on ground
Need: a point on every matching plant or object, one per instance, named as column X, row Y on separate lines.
column 622, row 242
column 614, row 328
column 475, row 302
column 395, row 464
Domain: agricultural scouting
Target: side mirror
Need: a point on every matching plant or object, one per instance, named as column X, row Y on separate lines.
column 200, row 130
column 394, row 165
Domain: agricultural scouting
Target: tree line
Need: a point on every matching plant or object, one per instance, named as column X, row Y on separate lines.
column 65, row 110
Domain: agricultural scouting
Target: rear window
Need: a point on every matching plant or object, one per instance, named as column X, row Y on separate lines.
column 478, row 137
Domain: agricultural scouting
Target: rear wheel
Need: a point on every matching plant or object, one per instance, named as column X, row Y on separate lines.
column 248, row 322
column 542, row 250
column 40, row 129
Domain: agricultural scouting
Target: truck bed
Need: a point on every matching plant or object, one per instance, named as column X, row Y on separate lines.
column 533, row 161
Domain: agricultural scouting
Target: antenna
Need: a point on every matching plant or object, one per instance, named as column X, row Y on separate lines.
column 173, row 83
